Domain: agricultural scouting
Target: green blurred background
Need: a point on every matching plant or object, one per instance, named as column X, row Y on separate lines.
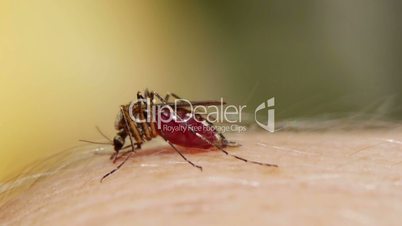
column 66, row 66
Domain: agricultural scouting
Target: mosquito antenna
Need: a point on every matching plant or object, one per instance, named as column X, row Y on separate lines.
column 103, row 135
column 215, row 145
column 94, row 142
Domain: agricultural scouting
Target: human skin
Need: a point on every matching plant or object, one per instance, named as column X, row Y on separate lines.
column 341, row 177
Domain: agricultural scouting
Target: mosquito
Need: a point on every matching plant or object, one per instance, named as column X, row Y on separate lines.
column 144, row 119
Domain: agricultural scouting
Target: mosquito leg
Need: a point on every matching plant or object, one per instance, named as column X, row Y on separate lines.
column 103, row 135
column 181, row 154
column 150, row 114
column 167, row 97
column 128, row 129
column 174, row 95
column 184, row 157
column 228, row 154
column 115, row 155
column 215, row 145
column 118, row 167
column 145, row 127
column 122, row 154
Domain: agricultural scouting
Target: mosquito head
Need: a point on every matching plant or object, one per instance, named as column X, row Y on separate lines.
column 118, row 142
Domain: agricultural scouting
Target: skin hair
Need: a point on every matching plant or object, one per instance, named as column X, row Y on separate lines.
column 333, row 177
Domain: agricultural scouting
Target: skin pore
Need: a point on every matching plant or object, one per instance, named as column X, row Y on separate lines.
column 330, row 177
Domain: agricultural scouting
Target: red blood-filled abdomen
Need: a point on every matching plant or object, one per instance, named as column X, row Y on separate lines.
column 179, row 133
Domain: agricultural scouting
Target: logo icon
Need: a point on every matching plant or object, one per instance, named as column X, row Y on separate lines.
column 270, row 125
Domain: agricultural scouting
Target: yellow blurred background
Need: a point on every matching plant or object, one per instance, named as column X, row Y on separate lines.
column 66, row 66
